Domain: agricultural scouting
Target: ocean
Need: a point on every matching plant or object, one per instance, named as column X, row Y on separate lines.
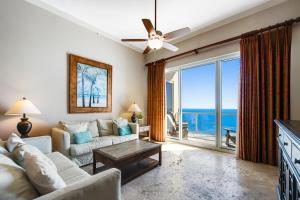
column 204, row 120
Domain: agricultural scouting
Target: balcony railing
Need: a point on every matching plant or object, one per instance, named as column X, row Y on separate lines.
column 205, row 122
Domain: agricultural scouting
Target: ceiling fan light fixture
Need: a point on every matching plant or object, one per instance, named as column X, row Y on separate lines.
column 155, row 43
column 156, row 39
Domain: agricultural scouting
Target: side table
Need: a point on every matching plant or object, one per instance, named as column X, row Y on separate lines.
column 146, row 132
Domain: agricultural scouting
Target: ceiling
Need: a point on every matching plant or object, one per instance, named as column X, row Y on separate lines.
column 118, row 19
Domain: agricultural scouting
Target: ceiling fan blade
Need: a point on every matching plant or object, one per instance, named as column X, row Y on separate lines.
column 148, row 25
column 169, row 46
column 134, row 40
column 147, row 50
column 177, row 33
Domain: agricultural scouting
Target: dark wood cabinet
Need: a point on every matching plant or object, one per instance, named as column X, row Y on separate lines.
column 288, row 187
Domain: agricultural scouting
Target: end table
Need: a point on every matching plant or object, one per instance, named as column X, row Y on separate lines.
column 143, row 128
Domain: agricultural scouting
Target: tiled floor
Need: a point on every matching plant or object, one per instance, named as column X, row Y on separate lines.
column 190, row 173
column 193, row 173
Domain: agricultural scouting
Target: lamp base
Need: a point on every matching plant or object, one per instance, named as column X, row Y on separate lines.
column 24, row 127
column 134, row 118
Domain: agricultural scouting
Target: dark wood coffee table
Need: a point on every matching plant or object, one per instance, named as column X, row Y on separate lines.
column 132, row 158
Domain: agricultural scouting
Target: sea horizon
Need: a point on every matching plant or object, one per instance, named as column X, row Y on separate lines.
column 206, row 119
column 208, row 109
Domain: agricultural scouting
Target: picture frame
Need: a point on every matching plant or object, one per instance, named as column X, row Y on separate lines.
column 90, row 85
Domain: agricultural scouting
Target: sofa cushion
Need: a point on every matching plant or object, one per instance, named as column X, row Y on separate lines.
column 73, row 174
column 79, row 149
column 119, row 123
column 93, row 128
column 125, row 138
column 43, row 176
column 20, row 151
column 14, row 182
column 74, row 127
column 61, row 162
column 13, row 141
column 105, row 127
column 68, row 170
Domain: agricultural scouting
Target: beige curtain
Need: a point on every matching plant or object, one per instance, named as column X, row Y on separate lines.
column 156, row 100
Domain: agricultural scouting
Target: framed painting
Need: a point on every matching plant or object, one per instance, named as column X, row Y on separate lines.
column 90, row 85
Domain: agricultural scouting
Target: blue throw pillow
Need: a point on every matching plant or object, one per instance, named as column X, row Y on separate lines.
column 82, row 137
column 126, row 130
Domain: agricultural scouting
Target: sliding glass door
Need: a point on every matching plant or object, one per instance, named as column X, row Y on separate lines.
column 172, row 99
column 230, row 73
column 198, row 102
column 202, row 102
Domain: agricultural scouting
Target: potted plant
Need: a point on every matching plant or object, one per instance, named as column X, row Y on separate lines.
column 140, row 118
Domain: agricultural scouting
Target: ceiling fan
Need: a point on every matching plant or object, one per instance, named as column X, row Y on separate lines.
column 156, row 39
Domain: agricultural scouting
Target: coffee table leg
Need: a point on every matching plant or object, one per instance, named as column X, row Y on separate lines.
column 159, row 157
column 94, row 163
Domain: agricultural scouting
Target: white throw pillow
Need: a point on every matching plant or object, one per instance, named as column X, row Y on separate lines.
column 119, row 123
column 105, row 127
column 19, row 155
column 93, row 128
column 74, row 127
column 43, row 176
column 14, row 183
column 13, row 141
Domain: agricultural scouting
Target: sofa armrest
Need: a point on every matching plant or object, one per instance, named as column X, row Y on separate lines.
column 43, row 143
column 61, row 141
column 134, row 127
column 104, row 185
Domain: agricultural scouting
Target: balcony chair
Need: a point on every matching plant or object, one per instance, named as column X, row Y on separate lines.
column 230, row 137
column 173, row 126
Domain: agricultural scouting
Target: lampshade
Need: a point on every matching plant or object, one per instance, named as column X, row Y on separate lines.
column 23, row 106
column 134, row 108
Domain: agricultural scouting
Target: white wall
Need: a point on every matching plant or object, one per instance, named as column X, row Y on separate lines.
column 34, row 45
column 280, row 13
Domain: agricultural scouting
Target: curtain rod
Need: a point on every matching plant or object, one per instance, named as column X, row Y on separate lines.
column 196, row 51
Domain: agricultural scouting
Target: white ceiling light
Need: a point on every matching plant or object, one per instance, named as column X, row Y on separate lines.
column 155, row 43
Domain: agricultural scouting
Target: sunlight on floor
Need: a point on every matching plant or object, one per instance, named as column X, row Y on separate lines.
column 189, row 172
column 174, row 147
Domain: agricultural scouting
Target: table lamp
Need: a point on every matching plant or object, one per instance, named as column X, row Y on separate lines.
column 23, row 107
column 134, row 108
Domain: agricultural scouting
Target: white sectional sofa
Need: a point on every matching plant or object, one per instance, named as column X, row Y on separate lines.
column 14, row 184
column 104, row 133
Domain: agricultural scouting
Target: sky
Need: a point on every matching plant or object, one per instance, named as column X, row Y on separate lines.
column 198, row 85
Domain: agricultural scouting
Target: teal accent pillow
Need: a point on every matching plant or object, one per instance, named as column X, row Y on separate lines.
column 82, row 137
column 125, row 130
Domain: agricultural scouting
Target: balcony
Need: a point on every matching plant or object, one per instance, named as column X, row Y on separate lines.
column 200, row 126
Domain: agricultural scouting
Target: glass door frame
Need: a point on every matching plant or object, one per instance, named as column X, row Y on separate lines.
column 179, row 103
column 218, row 92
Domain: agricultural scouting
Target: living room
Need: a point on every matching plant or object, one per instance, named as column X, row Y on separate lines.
column 132, row 100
